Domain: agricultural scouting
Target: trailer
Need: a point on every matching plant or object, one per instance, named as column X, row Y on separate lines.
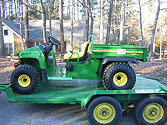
column 103, row 106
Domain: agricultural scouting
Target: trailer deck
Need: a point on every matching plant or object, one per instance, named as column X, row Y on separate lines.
column 50, row 93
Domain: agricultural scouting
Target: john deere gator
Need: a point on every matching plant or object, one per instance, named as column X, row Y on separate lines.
column 105, row 64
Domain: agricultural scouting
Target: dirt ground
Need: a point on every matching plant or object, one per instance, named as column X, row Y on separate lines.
column 6, row 67
column 156, row 69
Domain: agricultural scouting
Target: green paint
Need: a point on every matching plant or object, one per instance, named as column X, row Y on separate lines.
column 33, row 53
column 100, row 51
column 82, row 70
column 51, row 65
column 86, row 70
column 48, row 92
column 6, row 87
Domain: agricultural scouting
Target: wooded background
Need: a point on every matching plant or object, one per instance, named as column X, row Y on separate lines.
column 136, row 22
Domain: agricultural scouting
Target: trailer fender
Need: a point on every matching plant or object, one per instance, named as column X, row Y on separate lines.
column 85, row 102
column 92, row 95
column 109, row 60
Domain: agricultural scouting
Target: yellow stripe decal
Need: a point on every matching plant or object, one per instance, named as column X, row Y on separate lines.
column 134, row 51
column 116, row 51
column 104, row 51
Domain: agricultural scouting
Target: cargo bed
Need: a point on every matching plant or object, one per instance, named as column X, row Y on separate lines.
column 102, row 51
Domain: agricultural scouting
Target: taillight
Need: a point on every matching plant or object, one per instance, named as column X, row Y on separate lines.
column 16, row 64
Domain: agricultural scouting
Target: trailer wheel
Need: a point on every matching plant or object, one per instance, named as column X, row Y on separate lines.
column 119, row 76
column 25, row 79
column 151, row 111
column 104, row 110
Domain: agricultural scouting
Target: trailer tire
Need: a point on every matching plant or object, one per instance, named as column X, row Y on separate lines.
column 25, row 79
column 119, row 76
column 151, row 111
column 104, row 110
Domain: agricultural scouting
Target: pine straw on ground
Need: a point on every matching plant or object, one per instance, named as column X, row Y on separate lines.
column 156, row 69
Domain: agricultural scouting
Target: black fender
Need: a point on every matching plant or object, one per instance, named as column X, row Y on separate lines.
column 107, row 60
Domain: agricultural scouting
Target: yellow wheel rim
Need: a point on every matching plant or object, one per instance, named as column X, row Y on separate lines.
column 24, row 80
column 153, row 112
column 104, row 113
column 120, row 79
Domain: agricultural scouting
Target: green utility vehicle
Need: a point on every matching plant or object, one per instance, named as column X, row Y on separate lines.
column 148, row 96
column 94, row 63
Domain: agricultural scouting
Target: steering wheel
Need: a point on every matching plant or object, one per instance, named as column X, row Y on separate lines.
column 53, row 41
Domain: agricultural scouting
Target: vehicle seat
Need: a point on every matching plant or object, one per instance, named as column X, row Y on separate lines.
column 82, row 55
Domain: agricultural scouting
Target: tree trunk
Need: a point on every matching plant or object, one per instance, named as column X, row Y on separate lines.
column 160, row 40
column 162, row 45
column 91, row 18
column 91, row 24
column 83, row 18
column 154, row 31
column 72, row 18
column 68, row 10
column 21, row 24
column 57, row 9
column 2, row 47
column 154, row 43
column 87, row 23
column 44, row 21
column 115, row 34
column 26, row 24
column 141, row 23
column 3, row 8
column 51, row 6
column 11, row 8
column 101, row 20
column 6, row 14
column 163, row 51
column 109, row 22
column 122, row 22
column 15, row 8
column 76, row 10
column 62, row 29
column 50, row 22
column 160, row 48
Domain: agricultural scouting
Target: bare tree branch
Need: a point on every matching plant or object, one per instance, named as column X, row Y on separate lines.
column 145, row 3
column 163, row 2
column 30, row 7
column 163, row 9
column 85, row 7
